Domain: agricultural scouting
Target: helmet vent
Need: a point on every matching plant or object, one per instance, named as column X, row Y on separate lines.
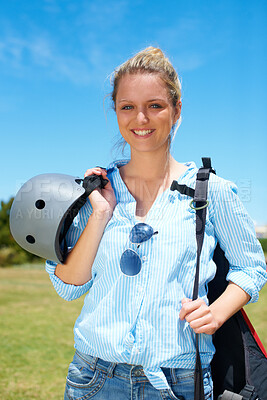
column 30, row 239
column 40, row 204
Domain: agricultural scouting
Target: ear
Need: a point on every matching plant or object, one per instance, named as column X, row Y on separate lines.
column 177, row 111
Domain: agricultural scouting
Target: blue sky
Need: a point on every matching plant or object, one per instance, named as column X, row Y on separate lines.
column 56, row 57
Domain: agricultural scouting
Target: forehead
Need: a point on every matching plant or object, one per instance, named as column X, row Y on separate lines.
column 141, row 85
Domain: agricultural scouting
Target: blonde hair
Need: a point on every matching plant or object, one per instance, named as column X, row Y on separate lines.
column 149, row 60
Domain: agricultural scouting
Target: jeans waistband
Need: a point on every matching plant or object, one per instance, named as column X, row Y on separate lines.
column 123, row 370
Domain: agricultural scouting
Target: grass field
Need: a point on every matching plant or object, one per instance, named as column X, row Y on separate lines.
column 37, row 334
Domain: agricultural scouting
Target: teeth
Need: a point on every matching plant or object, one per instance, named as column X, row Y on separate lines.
column 143, row 132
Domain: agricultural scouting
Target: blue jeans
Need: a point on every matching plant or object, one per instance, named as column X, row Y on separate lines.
column 93, row 378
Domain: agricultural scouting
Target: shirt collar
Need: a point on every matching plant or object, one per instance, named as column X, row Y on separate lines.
column 116, row 165
column 120, row 189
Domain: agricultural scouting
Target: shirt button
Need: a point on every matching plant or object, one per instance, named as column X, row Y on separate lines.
column 144, row 258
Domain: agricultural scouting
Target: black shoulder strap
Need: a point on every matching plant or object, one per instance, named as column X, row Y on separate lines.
column 199, row 203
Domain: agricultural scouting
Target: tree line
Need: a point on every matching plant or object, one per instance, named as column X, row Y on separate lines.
column 10, row 252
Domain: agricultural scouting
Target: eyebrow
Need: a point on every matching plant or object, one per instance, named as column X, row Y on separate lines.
column 149, row 101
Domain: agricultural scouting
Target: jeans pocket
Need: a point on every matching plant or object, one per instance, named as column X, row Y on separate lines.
column 167, row 394
column 184, row 385
column 82, row 381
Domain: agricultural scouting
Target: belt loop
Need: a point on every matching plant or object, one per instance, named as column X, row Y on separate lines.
column 173, row 376
column 110, row 370
column 93, row 363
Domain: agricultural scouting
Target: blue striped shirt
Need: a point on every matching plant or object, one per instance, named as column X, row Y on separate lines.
column 135, row 320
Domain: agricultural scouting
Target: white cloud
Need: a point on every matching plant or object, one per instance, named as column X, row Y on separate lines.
column 42, row 52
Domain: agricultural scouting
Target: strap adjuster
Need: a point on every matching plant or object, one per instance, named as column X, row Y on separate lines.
column 248, row 393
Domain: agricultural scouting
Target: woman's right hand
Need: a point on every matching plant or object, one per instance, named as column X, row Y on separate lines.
column 103, row 200
column 77, row 268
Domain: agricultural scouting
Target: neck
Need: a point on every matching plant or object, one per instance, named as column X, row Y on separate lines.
column 149, row 166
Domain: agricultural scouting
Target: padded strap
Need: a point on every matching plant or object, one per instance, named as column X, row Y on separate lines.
column 200, row 200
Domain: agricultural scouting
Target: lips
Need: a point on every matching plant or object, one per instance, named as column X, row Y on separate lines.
column 143, row 132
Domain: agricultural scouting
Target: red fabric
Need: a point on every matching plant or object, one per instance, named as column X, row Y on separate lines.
column 253, row 332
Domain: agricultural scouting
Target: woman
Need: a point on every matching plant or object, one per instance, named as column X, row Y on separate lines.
column 133, row 245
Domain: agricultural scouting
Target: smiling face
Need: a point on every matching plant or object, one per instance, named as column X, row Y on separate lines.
column 145, row 112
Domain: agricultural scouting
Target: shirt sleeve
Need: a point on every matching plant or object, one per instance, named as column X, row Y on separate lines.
column 236, row 235
column 67, row 291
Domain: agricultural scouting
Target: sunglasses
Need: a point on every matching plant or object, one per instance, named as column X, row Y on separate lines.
column 130, row 262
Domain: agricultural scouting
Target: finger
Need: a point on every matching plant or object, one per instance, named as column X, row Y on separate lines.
column 98, row 171
column 200, row 322
column 189, row 306
column 92, row 171
column 104, row 171
column 198, row 313
column 203, row 326
column 208, row 329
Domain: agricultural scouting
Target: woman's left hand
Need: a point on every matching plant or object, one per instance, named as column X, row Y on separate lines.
column 199, row 316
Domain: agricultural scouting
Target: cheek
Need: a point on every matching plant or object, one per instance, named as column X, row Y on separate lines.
column 120, row 122
column 167, row 123
column 122, row 119
column 167, row 118
column 122, row 125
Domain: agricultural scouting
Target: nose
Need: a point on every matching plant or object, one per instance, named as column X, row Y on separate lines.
column 142, row 117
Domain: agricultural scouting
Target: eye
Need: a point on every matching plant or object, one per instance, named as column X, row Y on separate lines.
column 127, row 107
column 155, row 105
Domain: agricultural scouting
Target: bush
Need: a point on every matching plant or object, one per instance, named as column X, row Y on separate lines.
column 10, row 252
column 11, row 256
column 263, row 243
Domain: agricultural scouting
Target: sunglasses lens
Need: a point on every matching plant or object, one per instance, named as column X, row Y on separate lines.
column 130, row 263
column 141, row 233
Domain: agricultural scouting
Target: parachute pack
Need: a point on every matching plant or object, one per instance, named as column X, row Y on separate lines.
column 239, row 366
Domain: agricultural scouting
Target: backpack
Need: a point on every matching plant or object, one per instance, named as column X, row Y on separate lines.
column 239, row 366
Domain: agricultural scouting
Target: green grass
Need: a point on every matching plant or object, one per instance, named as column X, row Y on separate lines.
column 257, row 313
column 37, row 334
